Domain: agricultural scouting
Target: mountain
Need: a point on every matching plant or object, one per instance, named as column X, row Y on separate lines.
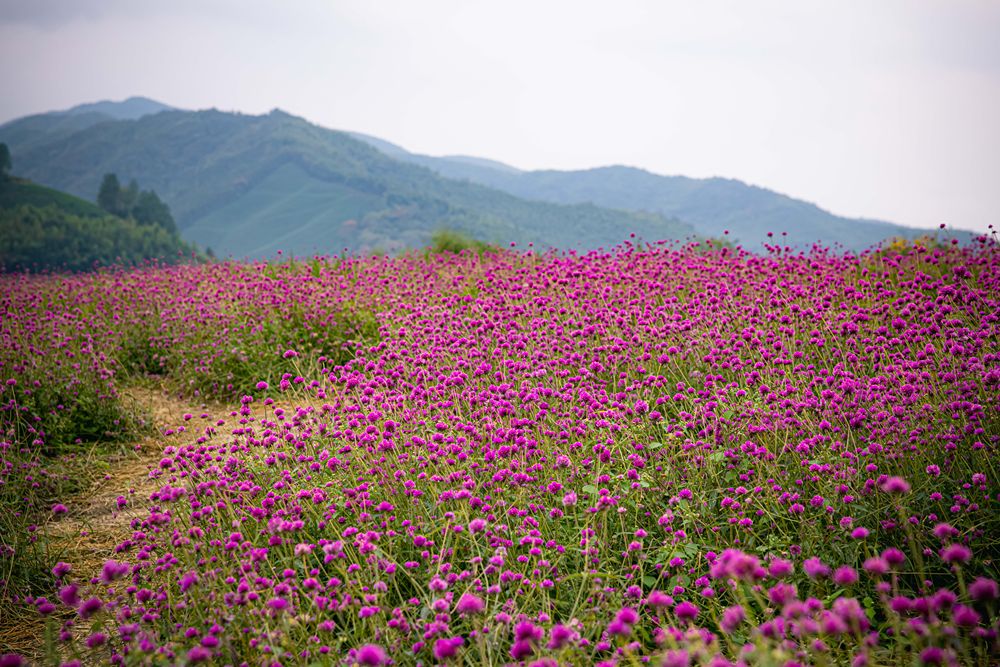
column 132, row 108
column 248, row 186
column 711, row 205
column 32, row 131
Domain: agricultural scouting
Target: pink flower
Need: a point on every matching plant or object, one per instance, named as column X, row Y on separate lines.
column 815, row 568
column 984, row 590
column 469, row 604
column 686, row 611
column 845, row 575
column 956, row 553
column 371, row 655
column 896, row 486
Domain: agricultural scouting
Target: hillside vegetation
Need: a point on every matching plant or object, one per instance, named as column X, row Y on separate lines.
column 712, row 206
column 42, row 229
column 251, row 185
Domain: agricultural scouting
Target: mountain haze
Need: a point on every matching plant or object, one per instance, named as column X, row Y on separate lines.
column 248, row 186
column 712, row 206
column 251, row 185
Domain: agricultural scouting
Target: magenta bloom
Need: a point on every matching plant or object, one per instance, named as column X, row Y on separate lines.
column 659, row 600
column 447, row 648
column 113, row 570
column 61, row 569
column 68, row 595
column 815, row 568
column 199, row 654
column 627, row 615
column 559, row 636
column 619, row 628
column 956, row 553
column 896, row 486
column 470, row 604
column 90, row 607
column 686, row 611
column 984, row 590
column 732, row 617
column 845, row 575
column 278, row 604
column 780, row 567
column 371, row 655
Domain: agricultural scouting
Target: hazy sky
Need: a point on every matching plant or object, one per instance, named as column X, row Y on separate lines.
column 875, row 108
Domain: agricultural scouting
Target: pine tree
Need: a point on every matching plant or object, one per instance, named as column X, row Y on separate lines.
column 109, row 197
column 6, row 163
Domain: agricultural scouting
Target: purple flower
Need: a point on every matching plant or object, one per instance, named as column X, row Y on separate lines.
column 90, row 607
column 521, row 649
column 965, row 616
column 627, row 615
column 894, row 557
column 528, row 631
column 619, row 628
column 815, row 568
column 932, row 655
column 659, row 600
column 469, row 604
column 199, row 654
column 68, row 595
column 686, row 611
column 956, row 553
column 732, row 617
column 58, row 509
column 445, row 649
column 876, row 565
column 113, row 570
column 780, row 567
column 984, row 590
column 896, row 486
column 371, row 655
column 559, row 636
column 278, row 604
column 845, row 575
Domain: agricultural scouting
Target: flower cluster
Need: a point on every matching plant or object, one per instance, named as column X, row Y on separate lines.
column 655, row 454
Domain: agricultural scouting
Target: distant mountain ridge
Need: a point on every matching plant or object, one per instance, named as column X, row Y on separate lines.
column 251, row 185
column 132, row 108
column 713, row 206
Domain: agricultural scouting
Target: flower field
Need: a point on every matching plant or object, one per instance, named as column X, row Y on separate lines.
column 658, row 455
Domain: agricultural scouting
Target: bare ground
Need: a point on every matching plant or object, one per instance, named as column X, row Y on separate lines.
column 87, row 535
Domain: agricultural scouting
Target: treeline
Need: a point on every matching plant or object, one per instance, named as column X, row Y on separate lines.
column 42, row 229
column 49, row 238
column 143, row 206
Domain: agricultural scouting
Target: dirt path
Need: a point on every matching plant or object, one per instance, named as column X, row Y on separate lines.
column 87, row 535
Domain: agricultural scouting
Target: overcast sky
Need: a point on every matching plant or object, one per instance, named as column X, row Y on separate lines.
column 884, row 109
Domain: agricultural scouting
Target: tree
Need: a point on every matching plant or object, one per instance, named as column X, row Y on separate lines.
column 149, row 209
column 6, row 163
column 109, row 197
column 129, row 197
